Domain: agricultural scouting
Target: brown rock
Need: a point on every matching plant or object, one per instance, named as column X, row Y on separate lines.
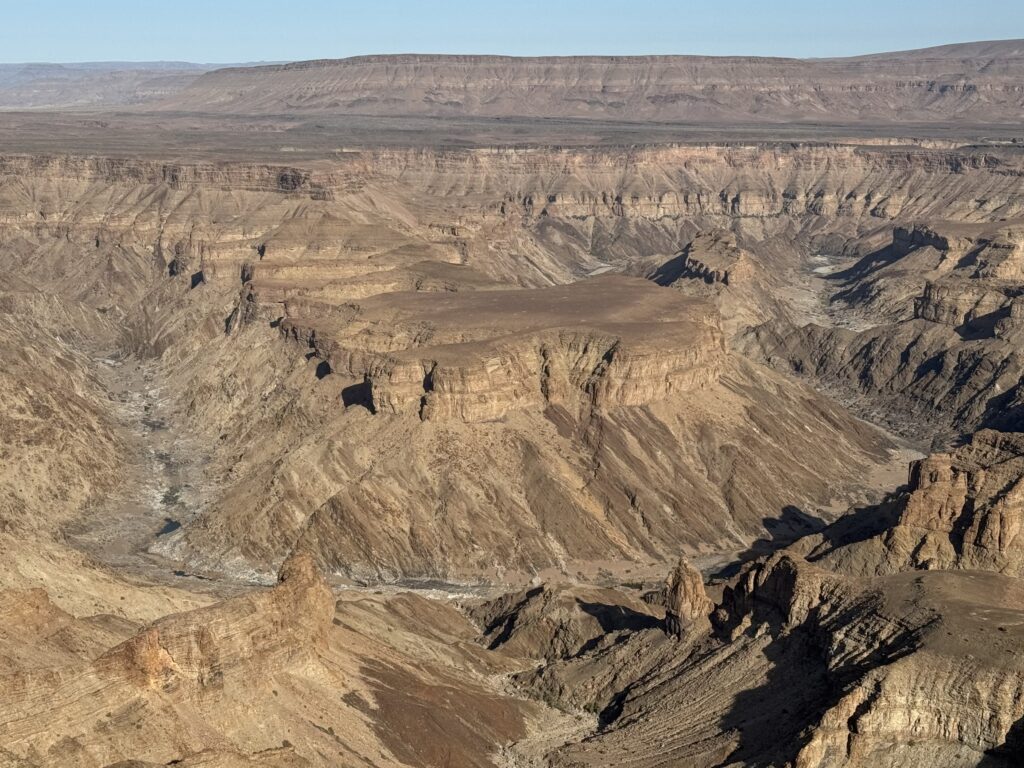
column 962, row 510
column 687, row 605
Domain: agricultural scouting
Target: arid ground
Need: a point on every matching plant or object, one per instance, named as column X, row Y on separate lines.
column 476, row 411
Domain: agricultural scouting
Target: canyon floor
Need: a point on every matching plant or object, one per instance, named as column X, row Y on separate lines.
column 382, row 423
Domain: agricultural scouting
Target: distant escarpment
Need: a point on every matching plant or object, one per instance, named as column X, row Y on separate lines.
column 950, row 83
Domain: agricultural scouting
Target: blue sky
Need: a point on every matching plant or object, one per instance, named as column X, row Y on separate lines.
column 265, row 30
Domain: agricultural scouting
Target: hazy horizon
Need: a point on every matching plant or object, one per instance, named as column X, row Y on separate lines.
column 232, row 32
column 171, row 63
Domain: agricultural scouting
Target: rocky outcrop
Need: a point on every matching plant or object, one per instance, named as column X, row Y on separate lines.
column 713, row 257
column 814, row 668
column 955, row 302
column 781, row 590
column 687, row 606
column 714, row 267
column 985, row 273
column 278, row 677
column 888, row 283
column 890, row 638
column 1012, row 324
column 961, row 510
column 208, row 647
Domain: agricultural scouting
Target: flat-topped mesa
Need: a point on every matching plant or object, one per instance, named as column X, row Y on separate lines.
column 696, row 89
column 478, row 356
